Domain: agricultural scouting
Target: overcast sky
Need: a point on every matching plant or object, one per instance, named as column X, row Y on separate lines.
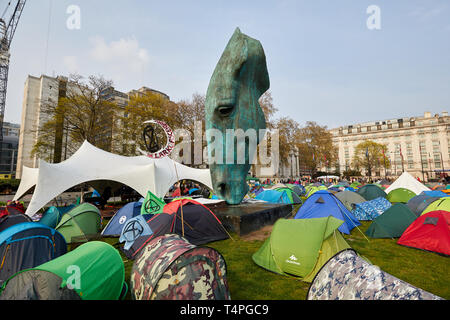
column 324, row 63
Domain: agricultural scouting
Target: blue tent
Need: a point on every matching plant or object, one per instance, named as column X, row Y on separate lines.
column 369, row 210
column 435, row 193
column 52, row 216
column 115, row 225
column 274, row 196
column 28, row 245
column 191, row 191
column 323, row 204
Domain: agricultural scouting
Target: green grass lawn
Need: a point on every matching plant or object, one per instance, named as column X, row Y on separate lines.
column 247, row 281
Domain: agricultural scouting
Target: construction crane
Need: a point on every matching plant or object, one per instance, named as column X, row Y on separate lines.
column 7, row 30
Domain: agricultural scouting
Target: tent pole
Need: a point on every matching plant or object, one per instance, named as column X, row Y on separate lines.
column 181, row 203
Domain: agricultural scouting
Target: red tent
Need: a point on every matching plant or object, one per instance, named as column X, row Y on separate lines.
column 430, row 232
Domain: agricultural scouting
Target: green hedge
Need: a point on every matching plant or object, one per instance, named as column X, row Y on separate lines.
column 9, row 184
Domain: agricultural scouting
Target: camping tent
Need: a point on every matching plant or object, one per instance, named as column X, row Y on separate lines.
column 116, row 223
column 52, row 216
column 274, row 196
column 200, row 225
column 435, row 193
column 430, row 231
column 171, row 268
column 27, row 245
column 347, row 276
column 90, row 163
column 255, row 191
column 298, row 189
column 369, row 210
column 371, row 191
column 440, row 204
column 407, row 181
column 349, row 198
column 400, row 195
column 11, row 216
column 28, row 180
column 310, row 190
column 355, row 184
column 293, row 197
column 300, row 247
column 80, row 223
column 100, row 271
column 420, row 202
column 392, row 223
column 323, row 204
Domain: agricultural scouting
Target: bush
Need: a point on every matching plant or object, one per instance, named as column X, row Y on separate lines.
column 9, row 185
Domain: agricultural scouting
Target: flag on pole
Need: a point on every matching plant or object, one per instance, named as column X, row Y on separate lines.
column 152, row 204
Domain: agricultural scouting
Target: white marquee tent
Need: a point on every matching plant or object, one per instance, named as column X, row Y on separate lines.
column 90, row 163
column 407, row 181
column 29, row 179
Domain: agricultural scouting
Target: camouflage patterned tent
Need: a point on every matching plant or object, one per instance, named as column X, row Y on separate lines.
column 347, row 276
column 171, row 268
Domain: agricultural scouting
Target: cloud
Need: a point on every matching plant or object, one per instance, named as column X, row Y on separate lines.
column 124, row 54
column 71, row 63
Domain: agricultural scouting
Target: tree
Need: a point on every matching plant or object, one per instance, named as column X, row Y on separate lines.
column 370, row 155
column 82, row 112
column 266, row 103
column 315, row 146
column 288, row 132
column 140, row 108
column 190, row 116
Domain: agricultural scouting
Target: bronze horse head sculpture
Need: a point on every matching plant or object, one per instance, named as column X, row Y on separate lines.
column 237, row 83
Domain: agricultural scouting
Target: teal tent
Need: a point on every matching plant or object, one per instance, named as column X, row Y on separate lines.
column 392, row 223
column 52, row 216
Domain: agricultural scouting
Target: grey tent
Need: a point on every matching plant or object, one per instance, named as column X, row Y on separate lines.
column 420, row 202
column 347, row 276
column 348, row 198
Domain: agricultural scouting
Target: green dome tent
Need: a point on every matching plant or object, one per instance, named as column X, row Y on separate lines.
column 312, row 189
column 392, row 223
column 93, row 271
column 441, row 204
column 80, row 223
column 355, row 184
column 401, row 195
column 300, row 247
column 371, row 192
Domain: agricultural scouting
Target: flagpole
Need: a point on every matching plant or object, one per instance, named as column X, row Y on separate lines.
column 442, row 160
column 401, row 156
column 421, row 162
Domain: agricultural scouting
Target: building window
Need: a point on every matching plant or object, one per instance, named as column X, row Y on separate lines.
column 436, row 146
column 437, row 161
column 410, row 163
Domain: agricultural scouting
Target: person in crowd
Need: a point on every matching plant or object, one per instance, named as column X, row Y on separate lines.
column 177, row 191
